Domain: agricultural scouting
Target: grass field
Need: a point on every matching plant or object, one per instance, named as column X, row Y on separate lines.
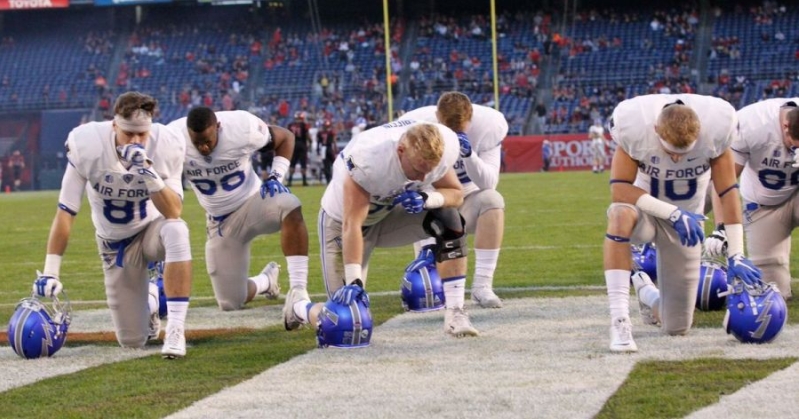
column 553, row 248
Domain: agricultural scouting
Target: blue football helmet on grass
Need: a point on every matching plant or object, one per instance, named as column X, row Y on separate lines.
column 755, row 314
column 38, row 329
column 711, row 294
column 645, row 259
column 422, row 289
column 345, row 326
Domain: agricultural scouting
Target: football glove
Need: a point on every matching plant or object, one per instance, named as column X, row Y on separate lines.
column 46, row 285
column 272, row 186
column 134, row 155
column 412, row 201
column 426, row 257
column 466, row 146
column 741, row 267
column 349, row 293
column 688, row 226
column 716, row 242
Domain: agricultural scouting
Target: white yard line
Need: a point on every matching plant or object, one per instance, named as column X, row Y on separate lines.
column 535, row 358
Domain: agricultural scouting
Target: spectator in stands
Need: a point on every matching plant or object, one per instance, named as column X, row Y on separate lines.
column 17, row 164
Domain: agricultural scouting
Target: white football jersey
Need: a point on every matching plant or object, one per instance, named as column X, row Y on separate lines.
column 682, row 183
column 598, row 146
column 225, row 179
column 372, row 161
column 596, row 131
column 768, row 177
column 121, row 206
column 486, row 131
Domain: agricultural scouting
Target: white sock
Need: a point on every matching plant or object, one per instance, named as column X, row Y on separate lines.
column 298, row 271
column 618, row 284
column 454, row 291
column 301, row 309
column 261, row 283
column 176, row 312
column 649, row 295
column 485, row 263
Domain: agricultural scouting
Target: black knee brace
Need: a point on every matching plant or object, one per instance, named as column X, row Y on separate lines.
column 446, row 225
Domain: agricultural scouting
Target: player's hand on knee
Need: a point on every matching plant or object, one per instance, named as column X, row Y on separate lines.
column 689, row 226
column 46, row 285
column 272, row 186
column 738, row 266
column 412, row 201
column 716, row 242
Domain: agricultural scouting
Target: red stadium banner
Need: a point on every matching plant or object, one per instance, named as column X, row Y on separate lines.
column 32, row 4
column 569, row 152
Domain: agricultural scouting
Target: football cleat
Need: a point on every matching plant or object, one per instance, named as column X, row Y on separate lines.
column 290, row 319
column 621, row 335
column 640, row 280
column 174, row 343
column 457, row 323
column 486, row 298
column 272, row 272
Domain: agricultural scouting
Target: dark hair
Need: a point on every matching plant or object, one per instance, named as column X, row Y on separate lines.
column 200, row 118
column 130, row 102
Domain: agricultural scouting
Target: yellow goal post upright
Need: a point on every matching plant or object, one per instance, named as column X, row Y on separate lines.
column 387, row 47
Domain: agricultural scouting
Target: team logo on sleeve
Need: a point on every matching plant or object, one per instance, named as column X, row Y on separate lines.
column 350, row 164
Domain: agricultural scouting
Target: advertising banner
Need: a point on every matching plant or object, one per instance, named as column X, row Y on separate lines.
column 127, row 2
column 569, row 152
column 32, row 4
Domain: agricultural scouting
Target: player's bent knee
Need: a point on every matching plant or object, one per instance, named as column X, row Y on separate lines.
column 446, row 226
column 490, row 199
column 133, row 342
column 175, row 236
column 676, row 330
column 226, row 305
column 621, row 217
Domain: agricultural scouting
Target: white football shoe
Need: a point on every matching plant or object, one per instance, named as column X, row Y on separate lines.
column 640, row 280
column 272, row 272
column 486, row 298
column 456, row 323
column 621, row 335
column 290, row 319
column 174, row 343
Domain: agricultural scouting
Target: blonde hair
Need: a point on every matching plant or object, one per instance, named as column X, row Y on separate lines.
column 425, row 141
column 678, row 125
column 454, row 110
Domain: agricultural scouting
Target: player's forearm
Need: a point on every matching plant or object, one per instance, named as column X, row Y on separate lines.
column 483, row 172
column 452, row 198
column 59, row 233
column 352, row 243
column 168, row 203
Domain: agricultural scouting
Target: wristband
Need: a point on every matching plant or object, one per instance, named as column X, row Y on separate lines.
column 655, row 207
column 153, row 183
column 52, row 265
column 434, row 200
column 735, row 239
column 352, row 271
column 280, row 165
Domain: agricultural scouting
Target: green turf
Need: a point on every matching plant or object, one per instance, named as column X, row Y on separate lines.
column 554, row 231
